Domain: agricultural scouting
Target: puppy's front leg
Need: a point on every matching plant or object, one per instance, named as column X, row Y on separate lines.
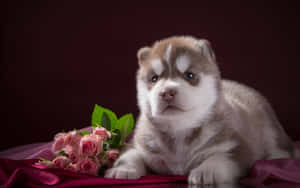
column 217, row 169
column 130, row 165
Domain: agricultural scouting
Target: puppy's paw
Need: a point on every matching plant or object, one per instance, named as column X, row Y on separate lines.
column 123, row 172
column 202, row 177
column 216, row 170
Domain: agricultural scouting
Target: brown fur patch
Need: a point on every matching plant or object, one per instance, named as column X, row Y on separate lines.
column 180, row 46
column 194, row 135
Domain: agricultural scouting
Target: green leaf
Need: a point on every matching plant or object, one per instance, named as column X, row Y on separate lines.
column 84, row 132
column 97, row 115
column 115, row 139
column 125, row 125
column 105, row 146
column 113, row 118
column 44, row 159
column 62, row 153
column 120, row 129
column 105, row 121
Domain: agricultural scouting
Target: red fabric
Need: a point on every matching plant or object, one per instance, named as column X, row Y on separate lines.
column 277, row 173
column 264, row 174
column 274, row 174
column 22, row 172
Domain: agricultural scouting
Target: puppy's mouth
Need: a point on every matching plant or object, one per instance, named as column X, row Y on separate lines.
column 171, row 108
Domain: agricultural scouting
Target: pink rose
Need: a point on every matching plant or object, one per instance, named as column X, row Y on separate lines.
column 101, row 131
column 72, row 138
column 90, row 145
column 72, row 153
column 113, row 154
column 72, row 167
column 88, row 166
column 61, row 162
column 59, row 142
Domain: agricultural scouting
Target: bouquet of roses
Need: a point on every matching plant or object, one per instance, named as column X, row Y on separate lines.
column 91, row 152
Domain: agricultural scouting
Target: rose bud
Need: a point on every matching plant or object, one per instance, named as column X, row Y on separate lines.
column 61, row 162
column 72, row 153
column 72, row 138
column 113, row 154
column 90, row 145
column 101, row 131
column 59, row 142
column 88, row 166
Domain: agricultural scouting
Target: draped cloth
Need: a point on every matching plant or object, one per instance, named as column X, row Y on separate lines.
column 17, row 168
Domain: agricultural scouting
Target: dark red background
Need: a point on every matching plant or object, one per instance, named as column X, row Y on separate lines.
column 60, row 58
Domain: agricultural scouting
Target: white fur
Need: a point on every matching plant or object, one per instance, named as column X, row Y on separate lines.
column 206, row 49
column 168, row 53
column 216, row 169
column 133, row 169
column 195, row 102
column 168, row 57
column 182, row 63
column 158, row 160
column 248, row 122
column 208, row 134
column 157, row 66
column 168, row 162
column 178, row 160
column 275, row 152
column 155, row 100
column 201, row 43
column 218, row 148
column 142, row 95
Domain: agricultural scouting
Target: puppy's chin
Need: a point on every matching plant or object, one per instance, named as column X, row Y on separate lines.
column 167, row 116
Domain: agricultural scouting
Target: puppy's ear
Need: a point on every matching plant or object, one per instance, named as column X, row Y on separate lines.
column 143, row 54
column 206, row 49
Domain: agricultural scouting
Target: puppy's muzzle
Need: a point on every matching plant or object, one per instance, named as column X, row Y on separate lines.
column 168, row 95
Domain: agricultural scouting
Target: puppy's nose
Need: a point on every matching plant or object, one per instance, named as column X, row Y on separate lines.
column 168, row 95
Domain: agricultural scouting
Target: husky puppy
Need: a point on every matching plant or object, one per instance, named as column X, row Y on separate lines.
column 194, row 123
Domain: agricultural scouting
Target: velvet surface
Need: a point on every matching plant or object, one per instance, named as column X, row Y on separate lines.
column 23, row 172
column 264, row 174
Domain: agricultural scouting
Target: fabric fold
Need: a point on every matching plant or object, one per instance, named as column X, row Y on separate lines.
column 25, row 173
column 264, row 173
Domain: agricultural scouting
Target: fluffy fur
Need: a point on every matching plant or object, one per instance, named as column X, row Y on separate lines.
column 194, row 123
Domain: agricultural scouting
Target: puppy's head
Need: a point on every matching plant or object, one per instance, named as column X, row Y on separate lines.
column 177, row 81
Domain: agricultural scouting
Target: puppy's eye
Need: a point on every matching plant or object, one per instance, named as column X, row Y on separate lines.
column 154, row 78
column 189, row 75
